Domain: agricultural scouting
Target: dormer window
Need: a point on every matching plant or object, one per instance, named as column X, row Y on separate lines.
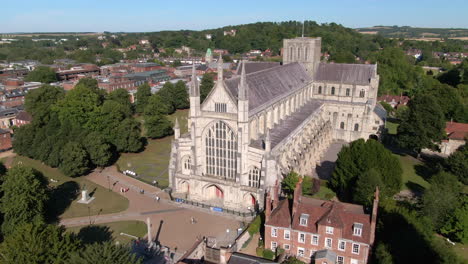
column 303, row 220
column 220, row 107
column 329, row 230
column 357, row 229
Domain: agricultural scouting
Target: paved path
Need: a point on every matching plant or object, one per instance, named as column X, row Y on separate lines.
column 171, row 224
column 327, row 162
column 251, row 248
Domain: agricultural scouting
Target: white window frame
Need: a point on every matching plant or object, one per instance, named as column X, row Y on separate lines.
column 338, row 260
column 299, row 237
column 288, row 233
column 357, row 229
column 326, row 242
column 329, row 230
column 274, row 232
column 312, row 240
column 303, row 252
column 353, row 261
column 286, row 247
column 358, row 249
column 341, row 242
column 274, row 245
column 303, row 221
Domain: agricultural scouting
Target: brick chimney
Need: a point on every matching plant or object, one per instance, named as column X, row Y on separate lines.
column 267, row 207
column 297, row 196
column 375, row 207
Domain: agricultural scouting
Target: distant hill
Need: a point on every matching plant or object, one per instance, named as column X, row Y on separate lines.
column 416, row 33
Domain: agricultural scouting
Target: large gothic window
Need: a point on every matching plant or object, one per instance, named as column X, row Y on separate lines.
column 254, row 177
column 221, row 150
column 187, row 165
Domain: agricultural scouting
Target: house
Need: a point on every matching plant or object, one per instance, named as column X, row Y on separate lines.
column 395, row 101
column 318, row 231
column 22, row 118
column 456, row 137
column 5, row 140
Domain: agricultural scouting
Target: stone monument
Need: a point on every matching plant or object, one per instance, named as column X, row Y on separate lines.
column 85, row 198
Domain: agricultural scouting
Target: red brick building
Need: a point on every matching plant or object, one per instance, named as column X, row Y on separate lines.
column 318, row 231
column 5, row 140
column 22, row 118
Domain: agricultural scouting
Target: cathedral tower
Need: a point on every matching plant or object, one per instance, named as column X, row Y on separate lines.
column 304, row 50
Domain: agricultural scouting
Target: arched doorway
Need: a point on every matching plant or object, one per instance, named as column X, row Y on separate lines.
column 184, row 187
column 249, row 200
column 213, row 192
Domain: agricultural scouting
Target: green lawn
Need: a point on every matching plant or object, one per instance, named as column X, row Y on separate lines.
column 324, row 193
column 461, row 250
column 105, row 202
column 392, row 127
column 134, row 228
column 152, row 163
column 411, row 180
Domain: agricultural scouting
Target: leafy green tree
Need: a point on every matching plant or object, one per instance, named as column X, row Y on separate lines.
column 167, row 95
column 382, row 254
column 158, row 105
column 441, row 198
column 75, row 160
column 387, row 107
column 307, row 185
column 24, row 197
column 158, row 126
column 180, row 95
column 207, row 83
column 24, row 139
column 38, row 243
column 456, row 226
column 142, row 96
column 100, row 152
column 39, row 102
column 365, row 187
column 104, row 253
column 359, row 158
column 128, row 136
column 121, row 96
column 424, row 125
column 289, row 183
column 42, row 74
column 457, row 164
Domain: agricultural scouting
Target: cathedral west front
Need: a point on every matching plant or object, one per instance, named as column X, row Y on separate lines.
column 268, row 120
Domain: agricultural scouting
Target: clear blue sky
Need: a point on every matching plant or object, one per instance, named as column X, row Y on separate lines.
column 156, row 15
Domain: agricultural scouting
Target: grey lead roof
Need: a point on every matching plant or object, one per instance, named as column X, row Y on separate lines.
column 345, row 73
column 255, row 66
column 281, row 130
column 266, row 85
column 239, row 258
column 327, row 254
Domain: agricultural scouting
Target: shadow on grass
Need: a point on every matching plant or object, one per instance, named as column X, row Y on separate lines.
column 415, row 188
column 95, row 234
column 325, row 170
column 61, row 198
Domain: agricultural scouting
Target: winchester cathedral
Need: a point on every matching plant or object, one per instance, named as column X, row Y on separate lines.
column 270, row 119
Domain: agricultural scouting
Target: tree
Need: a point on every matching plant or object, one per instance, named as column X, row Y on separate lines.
column 457, row 164
column 456, row 226
column 104, row 253
column 142, row 96
column 289, row 183
column 359, row 158
column 100, row 152
column 122, row 97
column 42, row 74
column 157, row 126
column 307, row 185
column 382, row 254
column 158, row 105
column 365, row 187
column 180, row 95
column 38, row 243
column 207, row 83
column 387, row 107
column 441, row 198
column 424, row 125
column 167, row 95
column 75, row 160
column 39, row 102
column 24, row 197
column 128, row 136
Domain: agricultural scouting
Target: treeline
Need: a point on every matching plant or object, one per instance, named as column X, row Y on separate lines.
column 414, row 32
column 27, row 235
column 79, row 130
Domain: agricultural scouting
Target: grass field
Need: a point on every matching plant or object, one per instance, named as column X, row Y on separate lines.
column 65, row 195
column 392, row 127
column 152, row 163
column 411, row 179
column 134, row 228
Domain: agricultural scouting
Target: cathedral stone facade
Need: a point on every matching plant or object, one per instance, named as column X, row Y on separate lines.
column 256, row 127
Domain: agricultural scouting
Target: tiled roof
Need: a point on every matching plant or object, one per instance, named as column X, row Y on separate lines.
column 23, row 115
column 255, row 66
column 345, row 73
column 401, row 99
column 280, row 216
column 266, row 85
column 456, row 130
